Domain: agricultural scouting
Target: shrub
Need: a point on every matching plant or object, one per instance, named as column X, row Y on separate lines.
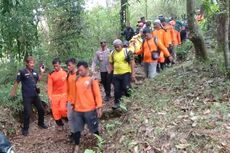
column 183, row 50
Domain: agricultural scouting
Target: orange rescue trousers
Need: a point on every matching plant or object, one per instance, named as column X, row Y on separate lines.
column 58, row 106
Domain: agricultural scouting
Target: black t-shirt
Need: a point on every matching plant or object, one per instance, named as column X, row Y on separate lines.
column 28, row 82
column 129, row 33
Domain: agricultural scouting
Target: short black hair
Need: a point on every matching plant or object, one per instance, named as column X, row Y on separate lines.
column 56, row 61
column 28, row 59
column 146, row 30
column 148, row 23
column 162, row 19
column 82, row 63
column 71, row 60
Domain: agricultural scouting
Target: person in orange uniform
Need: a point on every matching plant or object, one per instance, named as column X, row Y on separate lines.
column 57, row 88
column 178, row 37
column 149, row 48
column 175, row 34
column 71, row 92
column 88, row 104
column 168, row 41
column 160, row 33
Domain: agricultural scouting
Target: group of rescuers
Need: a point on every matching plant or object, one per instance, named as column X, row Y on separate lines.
column 76, row 94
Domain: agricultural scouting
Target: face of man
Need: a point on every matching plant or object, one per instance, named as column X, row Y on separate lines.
column 30, row 64
column 143, row 19
column 71, row 67
column 103, row 44
column 82, row 71
column 156, row 26
column 164, row 23
column 57, row 66
column 118, row 47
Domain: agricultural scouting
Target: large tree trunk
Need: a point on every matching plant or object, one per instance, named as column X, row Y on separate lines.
column 195, row 36
column 226, row 36
column 124, row 13
column 220, row 19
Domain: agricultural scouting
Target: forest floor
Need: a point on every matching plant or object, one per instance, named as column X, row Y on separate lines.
column 184, row 109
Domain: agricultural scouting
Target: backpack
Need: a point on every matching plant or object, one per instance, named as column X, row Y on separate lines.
column 155, row 54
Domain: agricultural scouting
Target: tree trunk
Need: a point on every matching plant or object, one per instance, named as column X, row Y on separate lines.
column 123, row 13
column 195, row 36
column 220, row 19
column 226, row 36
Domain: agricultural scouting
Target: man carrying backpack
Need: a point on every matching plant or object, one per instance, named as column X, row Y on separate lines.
column 151, row 48
column 102, row 59
column 87, row 105
column 122, row 63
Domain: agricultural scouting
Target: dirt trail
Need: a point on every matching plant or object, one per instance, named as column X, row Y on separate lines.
column 43, row 141
column 53, row 141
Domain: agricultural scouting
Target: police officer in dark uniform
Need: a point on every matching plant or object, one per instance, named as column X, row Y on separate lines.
column 30, row 93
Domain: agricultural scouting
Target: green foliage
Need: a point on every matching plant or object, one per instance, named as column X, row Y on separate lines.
column 112, row 125
column 89, row 151
column 18, row 29
column 14, row 104
column 183, row 50
column 100, row 143
column 210, row 10
column 123, row 107
column 66, row 24
column 176, row 8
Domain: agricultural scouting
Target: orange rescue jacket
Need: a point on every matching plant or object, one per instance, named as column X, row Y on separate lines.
column 57, row 83
column 88, row 97
column 149, row 46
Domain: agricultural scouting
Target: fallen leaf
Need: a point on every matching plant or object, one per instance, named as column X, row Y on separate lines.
column 194, row 124
column 182, row 146
column 207, row 112
column 136, row 149
column 191, row 113
column 194, row 118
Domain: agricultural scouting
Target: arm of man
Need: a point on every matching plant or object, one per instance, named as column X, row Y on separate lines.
column 50, row 87
column 164, row 50
column 133, row 70
column 132, row 64
column 111, row 67
column 16, row 83
column 14, row 89
column 98, row 97
column 140, row 51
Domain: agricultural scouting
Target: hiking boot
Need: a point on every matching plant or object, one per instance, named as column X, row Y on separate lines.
column 106, row 98
column 71, row 138
column 25, row 132
column 116, row 106
column 43, row 126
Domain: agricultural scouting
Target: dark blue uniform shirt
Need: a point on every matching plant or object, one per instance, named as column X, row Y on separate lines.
column 28, row 82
